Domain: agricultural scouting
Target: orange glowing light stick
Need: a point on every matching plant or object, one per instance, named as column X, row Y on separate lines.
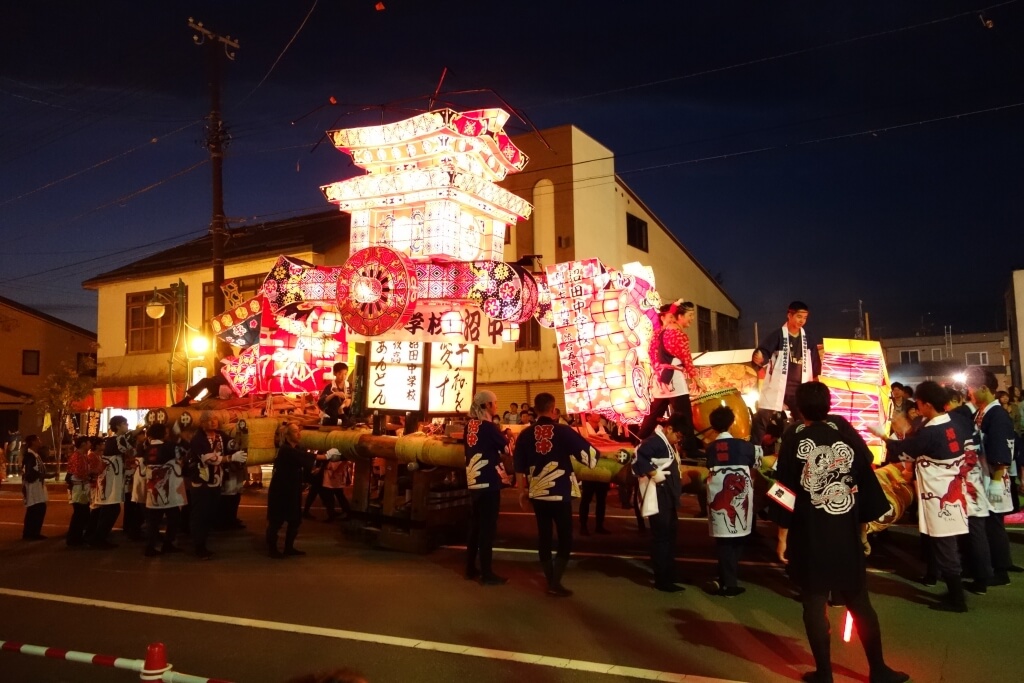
column 848, row 629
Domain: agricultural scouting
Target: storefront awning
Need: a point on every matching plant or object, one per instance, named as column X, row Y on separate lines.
column 134, row 397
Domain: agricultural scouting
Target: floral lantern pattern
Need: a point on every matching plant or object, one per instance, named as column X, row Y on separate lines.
column 430, row 201
column 603, row 323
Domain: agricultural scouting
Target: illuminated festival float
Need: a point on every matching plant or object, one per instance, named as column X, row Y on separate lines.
column 423, row 287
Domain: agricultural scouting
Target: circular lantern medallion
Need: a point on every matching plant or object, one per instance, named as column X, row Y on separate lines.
column 376, row 290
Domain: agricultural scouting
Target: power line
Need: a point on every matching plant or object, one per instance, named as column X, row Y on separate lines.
column 288, row 45
column 193, row 234
column 119, row 200
column 771, row 58
column 120, row 155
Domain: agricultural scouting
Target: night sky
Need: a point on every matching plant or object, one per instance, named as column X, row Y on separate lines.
column 828, row 152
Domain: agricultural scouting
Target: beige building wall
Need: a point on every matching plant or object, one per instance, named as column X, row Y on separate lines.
column 117, row 367
column 22, row 331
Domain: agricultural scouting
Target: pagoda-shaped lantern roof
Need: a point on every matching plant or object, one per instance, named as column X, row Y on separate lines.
column 474, row 142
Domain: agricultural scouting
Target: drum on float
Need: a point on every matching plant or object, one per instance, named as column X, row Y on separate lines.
column 708, row 401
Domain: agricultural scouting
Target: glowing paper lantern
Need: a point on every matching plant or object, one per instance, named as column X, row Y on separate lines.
column 510, row 333
column 428, row 224
column 242, row 371
column 603, row 329
column 376, row 290
column 395, row 379
column 450, row 385
column 241, row 325
column 293, row 283
column 855, row 372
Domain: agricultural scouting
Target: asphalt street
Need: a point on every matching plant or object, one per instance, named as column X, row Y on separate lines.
column 402, row 617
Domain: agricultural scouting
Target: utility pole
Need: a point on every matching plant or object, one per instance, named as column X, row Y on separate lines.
column 217, row 47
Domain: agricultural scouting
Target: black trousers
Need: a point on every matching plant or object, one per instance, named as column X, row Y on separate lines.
column 79, row 523
column 204, row 512
column 553, row 515
column 291, row 533
column 315, row 489
column 729, row 551
column 998, row 544
column 34, row 515
column 134, row 515
column 680, row 405
column 978, row 554
column 227, row 511
column 105, row 516
column 663, row 538
column 864, row 618
column 329, row 496
column 483, row 526
column 942, row 556
column 154, row 516
column 590, row 491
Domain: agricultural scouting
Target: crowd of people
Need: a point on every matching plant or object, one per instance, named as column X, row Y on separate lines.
column 964, row 450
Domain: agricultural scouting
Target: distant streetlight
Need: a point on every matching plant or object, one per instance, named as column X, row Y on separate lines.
column 156, row 308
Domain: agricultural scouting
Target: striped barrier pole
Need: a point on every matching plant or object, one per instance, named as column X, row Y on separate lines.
column 153, row 668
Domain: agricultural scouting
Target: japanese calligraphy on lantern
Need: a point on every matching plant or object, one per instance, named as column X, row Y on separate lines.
column 450, row 383
column 395, row 380
column 603, row 324
column 466, row 324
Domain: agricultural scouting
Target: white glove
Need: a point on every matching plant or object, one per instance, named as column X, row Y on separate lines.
column 877, row 430
column 995, row 491
column 239, row 457
column 658, row 476
column 334, row 455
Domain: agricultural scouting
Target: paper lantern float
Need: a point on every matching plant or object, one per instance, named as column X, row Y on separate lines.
column 241, row 325
column 603, row 323
column 855, row 373
column 430, row 200
column 293, row 283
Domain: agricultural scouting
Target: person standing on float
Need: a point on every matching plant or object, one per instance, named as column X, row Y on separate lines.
column 673, row 372
column 792, row 359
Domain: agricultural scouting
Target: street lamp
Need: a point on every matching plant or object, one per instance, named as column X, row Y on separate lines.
column 156, row 308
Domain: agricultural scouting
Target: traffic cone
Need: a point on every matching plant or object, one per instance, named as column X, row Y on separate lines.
column 156, row 663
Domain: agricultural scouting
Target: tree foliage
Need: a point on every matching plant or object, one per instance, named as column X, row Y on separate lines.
column 60, row 392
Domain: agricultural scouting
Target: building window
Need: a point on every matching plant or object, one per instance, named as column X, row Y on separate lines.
column 144, row 334
column 976, row 358
column 910, row 357
column 248, row 286
column 529, row 336
column 728, row 332
column 86, row 364
column 706, row 340
column 636, row 232
column 936, row 354
column 29, row 362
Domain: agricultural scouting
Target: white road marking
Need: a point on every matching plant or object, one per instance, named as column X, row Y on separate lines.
column 380, row 639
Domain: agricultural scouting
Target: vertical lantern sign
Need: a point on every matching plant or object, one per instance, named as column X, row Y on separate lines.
column 572, row 290
column 855, row 372
column 452, row 372
column 602, row 319
column 396, row 376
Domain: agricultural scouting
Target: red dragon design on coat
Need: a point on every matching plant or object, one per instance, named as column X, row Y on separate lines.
column 955, row 493
column 734, row 490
